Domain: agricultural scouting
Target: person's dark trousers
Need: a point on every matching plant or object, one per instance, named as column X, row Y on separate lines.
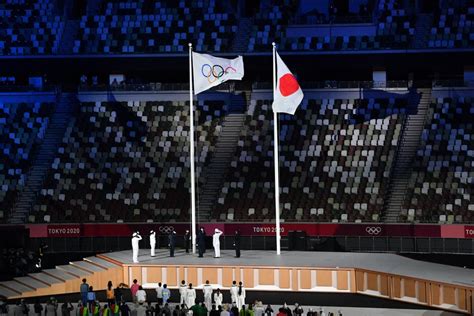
column 84, row 299
column 171, row 251
column 187, row 247
column 237, row 252
column 200, row 251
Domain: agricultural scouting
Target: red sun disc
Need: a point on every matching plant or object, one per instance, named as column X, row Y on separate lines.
column 288, row 85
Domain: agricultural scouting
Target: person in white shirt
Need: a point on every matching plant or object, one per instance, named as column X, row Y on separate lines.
column 218, row 298
column 141, row 295
column 233, row 292
column 135, row 240
column 152, row 243
column 216, row 243
column 159, row 294
column 240, row 296
column 190, row 296
column 225, row 311
column 140, row 310
column 182, row 293
column 207, row 290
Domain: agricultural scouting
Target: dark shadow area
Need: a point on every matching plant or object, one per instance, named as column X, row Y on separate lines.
column 363, row 112
column 457, row 260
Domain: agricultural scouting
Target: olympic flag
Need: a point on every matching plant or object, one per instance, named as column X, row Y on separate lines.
column 210, row 71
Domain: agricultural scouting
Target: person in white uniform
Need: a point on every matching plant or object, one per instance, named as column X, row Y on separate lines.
column 240, row 296
column 182, row 292
column 207, row 290
column 190, row 296
column 152, row 242
column 216, row 243
column 233, row 292
column 218, row 298
column 135, row 240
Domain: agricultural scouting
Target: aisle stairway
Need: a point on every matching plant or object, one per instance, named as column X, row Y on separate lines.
column 59, row 121
column 63, row 279
column 422, row 31
column 71, row 31
column 215, row 173
column 409, row 142
column 241, row 39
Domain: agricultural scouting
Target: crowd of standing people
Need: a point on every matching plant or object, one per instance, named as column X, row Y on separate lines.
column 186, row 304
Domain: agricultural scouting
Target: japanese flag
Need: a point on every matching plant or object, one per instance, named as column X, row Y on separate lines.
column 288, row 94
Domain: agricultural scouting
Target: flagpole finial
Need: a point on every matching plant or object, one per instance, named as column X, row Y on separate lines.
column 190, row 45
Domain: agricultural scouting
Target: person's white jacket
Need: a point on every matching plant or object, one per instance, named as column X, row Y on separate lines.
column 233, row 293
column 183, row 289
column 207, row 290
column 152, row 243
column 216, row 242
column 240, row 298
column 218, row 298
column 135, row 240
column 190, row 297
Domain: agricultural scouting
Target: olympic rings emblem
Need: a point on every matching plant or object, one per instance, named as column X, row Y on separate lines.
column 215, row 72
column 373, row 230
column 165, row 229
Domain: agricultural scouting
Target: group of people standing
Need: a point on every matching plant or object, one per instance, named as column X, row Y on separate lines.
column 200, row 241
column 187, row 295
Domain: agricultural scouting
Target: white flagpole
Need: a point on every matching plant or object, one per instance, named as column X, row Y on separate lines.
column 276, row 159
column 191, row 150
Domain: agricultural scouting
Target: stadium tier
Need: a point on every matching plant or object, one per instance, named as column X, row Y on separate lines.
column 163, row 27
column 156, row 27
column 335, row 165
column 441, row 186
column 29, row 28
column 128, row 160
column 22, row 129
column 453, row 28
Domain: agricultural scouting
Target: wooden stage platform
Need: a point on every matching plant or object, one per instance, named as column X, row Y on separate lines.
column 382, row 275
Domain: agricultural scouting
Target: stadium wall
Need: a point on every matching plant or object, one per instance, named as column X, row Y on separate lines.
column 400, row 238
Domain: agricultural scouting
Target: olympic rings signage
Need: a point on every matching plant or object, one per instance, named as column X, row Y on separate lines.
column 373, row 230
column 165, row 229
column 215, row 72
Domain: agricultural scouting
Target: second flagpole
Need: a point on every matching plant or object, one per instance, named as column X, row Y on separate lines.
column 191, row 150
column 276, row 159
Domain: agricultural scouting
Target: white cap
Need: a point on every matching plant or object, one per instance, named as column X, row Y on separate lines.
column 216, row 230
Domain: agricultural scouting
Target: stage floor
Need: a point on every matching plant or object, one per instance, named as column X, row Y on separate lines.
column 380, row 262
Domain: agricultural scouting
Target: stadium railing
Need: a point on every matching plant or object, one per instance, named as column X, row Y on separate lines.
column 23, row 88
column 229, row 86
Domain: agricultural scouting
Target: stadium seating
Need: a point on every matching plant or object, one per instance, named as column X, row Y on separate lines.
column 22, row 128
column 127, row 161
column 453, row 28
column 395, row 30
column 441, row 186
column 29, row 27
column 335, row 161
column 156, row 26
column 269, row 25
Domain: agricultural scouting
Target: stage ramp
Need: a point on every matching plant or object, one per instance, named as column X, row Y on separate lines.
column 64, row 279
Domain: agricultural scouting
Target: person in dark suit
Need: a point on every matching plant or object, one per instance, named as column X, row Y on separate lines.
column 172, row 242
column 237, row 243
column 201, row 242
column 187, row 239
